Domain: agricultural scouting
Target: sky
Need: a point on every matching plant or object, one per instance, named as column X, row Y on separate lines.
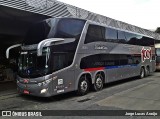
column 141, row 13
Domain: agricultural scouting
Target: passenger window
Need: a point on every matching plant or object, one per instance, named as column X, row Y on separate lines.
column 61, row 60
column 105, row 60
column 121, row 37
column 123, row 60
column 95, row 33
column 131, row 38
column 111, row 35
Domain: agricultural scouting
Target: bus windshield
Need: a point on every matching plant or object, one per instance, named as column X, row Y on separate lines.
column 54, row 28
column 31, row 65
column 69, row 28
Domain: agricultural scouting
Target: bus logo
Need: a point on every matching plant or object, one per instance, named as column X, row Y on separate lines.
column 100, row 47
column 146, row 54
column 6, row 113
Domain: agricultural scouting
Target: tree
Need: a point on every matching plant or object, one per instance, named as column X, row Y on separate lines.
column 157, row 30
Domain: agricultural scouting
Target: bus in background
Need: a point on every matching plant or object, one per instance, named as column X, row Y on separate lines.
column 60, row 55
column 157, row 48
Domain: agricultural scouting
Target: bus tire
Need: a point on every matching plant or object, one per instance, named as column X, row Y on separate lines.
column 142, row 73
column 83, row 86
column 99, row 82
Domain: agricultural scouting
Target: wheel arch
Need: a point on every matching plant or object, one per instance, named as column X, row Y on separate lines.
column 87, row 74
column 143, row 67
column 103, row 74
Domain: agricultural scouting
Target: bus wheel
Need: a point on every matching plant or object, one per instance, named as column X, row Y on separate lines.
column 99, row 81
column 142, row 73
column 83, row 86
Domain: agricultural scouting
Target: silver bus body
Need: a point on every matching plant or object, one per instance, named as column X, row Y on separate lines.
column 67, row 79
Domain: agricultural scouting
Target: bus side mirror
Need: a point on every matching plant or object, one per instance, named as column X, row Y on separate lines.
column 11, row 47
column 46, row 43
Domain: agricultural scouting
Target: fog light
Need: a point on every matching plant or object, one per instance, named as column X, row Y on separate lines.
column 43, row 90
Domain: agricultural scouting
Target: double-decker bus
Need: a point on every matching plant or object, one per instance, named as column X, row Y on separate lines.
column 60, row 55
column 157, row 48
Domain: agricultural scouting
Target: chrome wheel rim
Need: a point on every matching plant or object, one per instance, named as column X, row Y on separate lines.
column 84, row 86
column 99, row 82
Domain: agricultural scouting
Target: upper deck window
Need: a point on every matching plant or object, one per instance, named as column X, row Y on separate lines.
column 121, row 37
column 95, row 33
column 111, row 35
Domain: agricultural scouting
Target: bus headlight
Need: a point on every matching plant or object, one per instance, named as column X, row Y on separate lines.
column 43, row 90
column 44, row 82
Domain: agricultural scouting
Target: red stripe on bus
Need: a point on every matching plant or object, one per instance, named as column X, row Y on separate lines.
column 94, row 69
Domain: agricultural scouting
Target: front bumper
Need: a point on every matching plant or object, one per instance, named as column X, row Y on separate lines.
column 34, row 89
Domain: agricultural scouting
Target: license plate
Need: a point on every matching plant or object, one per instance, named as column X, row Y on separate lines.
column 26, row 92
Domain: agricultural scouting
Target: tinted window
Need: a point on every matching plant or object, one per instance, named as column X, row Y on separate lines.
column 54, row 28
column 32, row 66
column 69, row 28
column 95, row 33
column 111, row 35
column 103, row 60
column 61, row 60
column 135, row 39
column 137, row 59
column 121, row 37
column 130, row 38
column 123, row 60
